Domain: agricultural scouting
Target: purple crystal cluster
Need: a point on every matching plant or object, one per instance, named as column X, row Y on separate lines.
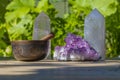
column 76, row 48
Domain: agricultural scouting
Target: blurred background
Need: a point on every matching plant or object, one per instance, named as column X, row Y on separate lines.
column 67, row 16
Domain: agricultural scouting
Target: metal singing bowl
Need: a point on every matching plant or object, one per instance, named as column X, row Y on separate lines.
column 30, row 50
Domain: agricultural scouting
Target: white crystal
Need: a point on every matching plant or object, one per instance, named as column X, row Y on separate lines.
column 41, row 29
column 94, row 31
column 41, row 26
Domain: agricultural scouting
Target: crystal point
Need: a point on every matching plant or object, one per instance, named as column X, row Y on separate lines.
column 94, row 31
column 41, row 26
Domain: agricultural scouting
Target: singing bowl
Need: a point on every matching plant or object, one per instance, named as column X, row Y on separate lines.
column 29, row 50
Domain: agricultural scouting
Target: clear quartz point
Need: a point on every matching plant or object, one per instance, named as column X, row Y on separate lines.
column 94, row 31
column 41, row 29
column 41, row 26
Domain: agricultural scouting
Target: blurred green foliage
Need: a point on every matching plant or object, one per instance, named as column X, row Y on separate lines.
column 16, row 23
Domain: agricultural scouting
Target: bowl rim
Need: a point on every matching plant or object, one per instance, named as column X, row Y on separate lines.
column 28, row 41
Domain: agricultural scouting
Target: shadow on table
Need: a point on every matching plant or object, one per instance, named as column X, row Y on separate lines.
column 64, row 72
column 6, row 58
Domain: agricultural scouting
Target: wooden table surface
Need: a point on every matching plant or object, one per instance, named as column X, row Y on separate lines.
column 54, row 70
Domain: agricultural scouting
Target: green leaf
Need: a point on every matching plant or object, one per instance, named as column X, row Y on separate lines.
column 106, row 7
column 28, row 3
column 42, row 5
column 20, row 28
column 16, row 4
column 18, row 8
column 16, row 14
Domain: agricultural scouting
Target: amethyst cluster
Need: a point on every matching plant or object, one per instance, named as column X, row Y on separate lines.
column 76, row 48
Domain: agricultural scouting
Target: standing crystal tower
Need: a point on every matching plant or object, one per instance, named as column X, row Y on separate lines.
column 94, row 31
column 42, row 28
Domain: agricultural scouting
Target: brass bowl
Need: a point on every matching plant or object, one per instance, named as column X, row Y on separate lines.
column 30, row 50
